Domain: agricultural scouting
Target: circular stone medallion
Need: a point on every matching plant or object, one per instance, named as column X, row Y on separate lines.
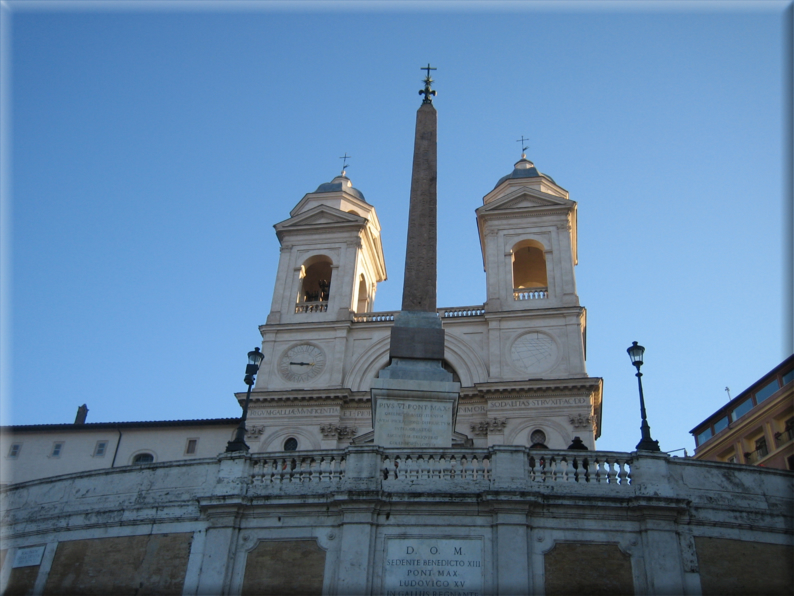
column 534, row 352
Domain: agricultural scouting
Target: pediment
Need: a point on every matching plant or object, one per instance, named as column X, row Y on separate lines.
column 525, row 198
column 321, row 215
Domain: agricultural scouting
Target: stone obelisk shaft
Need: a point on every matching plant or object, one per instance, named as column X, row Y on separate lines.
column 419, row 286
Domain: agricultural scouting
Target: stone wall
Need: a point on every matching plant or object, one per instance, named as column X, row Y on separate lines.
column 367, row 520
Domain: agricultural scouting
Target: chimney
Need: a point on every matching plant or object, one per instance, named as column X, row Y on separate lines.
column 82, row 412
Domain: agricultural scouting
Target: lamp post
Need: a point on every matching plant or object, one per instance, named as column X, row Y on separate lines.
column 255, row 358
column 636, row 352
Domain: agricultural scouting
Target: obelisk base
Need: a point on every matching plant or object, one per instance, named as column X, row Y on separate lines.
column 414, row 413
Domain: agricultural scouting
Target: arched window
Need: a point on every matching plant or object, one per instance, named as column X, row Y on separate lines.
column 363, row 296
column 143, row 458
column 316, row 284
column 529, row 270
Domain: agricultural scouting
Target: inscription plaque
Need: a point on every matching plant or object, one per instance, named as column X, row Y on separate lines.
column 413, row 423
column 433, row 567
column 27, row 557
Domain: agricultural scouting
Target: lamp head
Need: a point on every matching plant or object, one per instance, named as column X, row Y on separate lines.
column 636, row 352
column 255, row 358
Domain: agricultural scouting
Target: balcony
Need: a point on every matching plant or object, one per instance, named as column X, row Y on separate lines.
column 318, row 306
column 530, row 293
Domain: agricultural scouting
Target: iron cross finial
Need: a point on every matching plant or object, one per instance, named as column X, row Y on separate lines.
column 522, row 140
column 427, row 91
column 345, row 157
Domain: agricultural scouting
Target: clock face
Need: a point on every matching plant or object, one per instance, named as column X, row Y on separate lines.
column 301, row 363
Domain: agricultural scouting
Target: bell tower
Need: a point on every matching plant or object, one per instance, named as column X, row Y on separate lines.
column 331, row 256
column 528, row 237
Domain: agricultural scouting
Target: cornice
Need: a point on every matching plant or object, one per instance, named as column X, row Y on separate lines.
column 544, row 386
column 337, row 396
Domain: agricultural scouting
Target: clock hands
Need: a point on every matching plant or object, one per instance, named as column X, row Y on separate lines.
column 303, row 363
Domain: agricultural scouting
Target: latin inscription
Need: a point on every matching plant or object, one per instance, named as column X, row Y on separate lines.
column 538, row 403
column 294, row 412
column 26, row 557
column 413, row 423
column 472, row 409
column 433, row 567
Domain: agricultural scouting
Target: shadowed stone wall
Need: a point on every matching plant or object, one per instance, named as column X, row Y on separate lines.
column 134, row 565
column 733, row 567
column 278, row 567
column 588, row 570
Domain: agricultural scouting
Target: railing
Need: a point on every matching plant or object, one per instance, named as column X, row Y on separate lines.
column 415, row 465
column 373, row 317
column 785, row 437
column 311, row 307
column 461, row 311
column 444, row 313
column 594, row 466
column 752, row 457
column 530, row 293
column 298, row 469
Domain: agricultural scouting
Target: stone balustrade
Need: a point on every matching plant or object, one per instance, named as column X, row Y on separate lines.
column 463, row 465
column 326, row 467
column 373, row 317
column 461, row 311
column 444, row 313
column 598, row 467
column 304, row 307
column 444, row 470
column 530, row 293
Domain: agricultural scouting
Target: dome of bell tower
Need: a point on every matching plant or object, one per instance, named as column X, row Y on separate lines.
column 524, row 169
column 341, row 182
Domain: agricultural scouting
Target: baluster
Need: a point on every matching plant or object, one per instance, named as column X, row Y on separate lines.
column 623, row 473
column 444, row 465
column 598, row 470
column 565, row 474
column 611, row 472
column 335, row 469
column 314, row 467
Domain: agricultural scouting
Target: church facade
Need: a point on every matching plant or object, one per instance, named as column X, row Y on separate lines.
column 519, row 358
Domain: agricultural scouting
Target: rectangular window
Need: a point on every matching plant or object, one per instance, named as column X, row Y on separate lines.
column 14, row 450
column 766, row 391
column 57, row 448
column 704, row 436
column 731, row 459
column 100, row 449
column 190, row 448
column 742, row 409
column 787, row 378
column 720, row 424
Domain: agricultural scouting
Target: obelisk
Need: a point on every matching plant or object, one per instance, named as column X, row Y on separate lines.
column 414, row 400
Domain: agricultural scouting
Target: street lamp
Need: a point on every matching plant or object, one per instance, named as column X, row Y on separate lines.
column 255, row 358
column 636, row 352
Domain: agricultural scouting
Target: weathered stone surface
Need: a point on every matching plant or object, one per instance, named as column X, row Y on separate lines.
column 279, row 567
column 419, row 285
column 588, row 569
column 135, row 565
column 21, row 581
column 729, row 567
column 413, row 342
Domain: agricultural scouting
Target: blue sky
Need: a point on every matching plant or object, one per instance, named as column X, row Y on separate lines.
column 149, row 150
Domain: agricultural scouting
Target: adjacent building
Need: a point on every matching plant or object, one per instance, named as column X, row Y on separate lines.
column 756, row 427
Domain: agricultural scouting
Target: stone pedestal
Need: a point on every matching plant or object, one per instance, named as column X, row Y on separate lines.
column 414, row 413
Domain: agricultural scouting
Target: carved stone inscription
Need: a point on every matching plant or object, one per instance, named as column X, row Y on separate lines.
column 433, row 567
column 413, row 423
